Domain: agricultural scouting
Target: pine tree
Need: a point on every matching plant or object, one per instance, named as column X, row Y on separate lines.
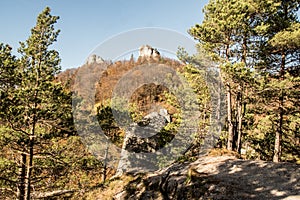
column 255, row 37
column 34, row 106
column 8, row 64
column 226, row 34
column 279, row 53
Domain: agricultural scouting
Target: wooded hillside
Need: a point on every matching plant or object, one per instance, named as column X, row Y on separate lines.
column 255, row 47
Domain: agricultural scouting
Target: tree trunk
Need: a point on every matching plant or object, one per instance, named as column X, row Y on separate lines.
column 279, row 132
column 240, row 113
column 240, row 99
column 229, row 114
column 240, row 120
column 277, row 146
column 22, row 175
column 229, row 108
column 29, row 167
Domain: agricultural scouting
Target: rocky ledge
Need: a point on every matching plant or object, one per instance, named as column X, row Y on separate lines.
column 221, row 177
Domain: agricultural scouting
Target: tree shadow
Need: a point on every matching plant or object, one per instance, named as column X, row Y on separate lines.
column 218, row 178
column 259, row 179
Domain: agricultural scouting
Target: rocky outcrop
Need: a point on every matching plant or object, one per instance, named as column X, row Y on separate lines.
column 221, row 177
column 94, row 59
column 142, row 137
column 147, row 52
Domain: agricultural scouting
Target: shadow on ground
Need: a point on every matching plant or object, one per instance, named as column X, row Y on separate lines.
column 222, row 177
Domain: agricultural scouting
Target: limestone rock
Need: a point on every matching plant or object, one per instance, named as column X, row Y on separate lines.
column 147, row 52
column 142, row 137
column 94, row 59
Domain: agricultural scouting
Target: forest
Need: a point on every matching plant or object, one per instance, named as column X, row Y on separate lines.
column 256, row 48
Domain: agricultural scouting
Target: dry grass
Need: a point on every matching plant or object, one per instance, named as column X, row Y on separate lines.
column 111, row 188
column 220, row 152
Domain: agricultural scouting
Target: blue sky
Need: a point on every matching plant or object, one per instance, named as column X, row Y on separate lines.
column 86, row 24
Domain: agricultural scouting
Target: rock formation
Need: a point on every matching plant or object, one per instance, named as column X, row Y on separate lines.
column 147, row 52
column 142, row 137
column 216, row 177
column 94, row 59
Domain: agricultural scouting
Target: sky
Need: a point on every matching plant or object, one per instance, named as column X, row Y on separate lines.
column 86, row 24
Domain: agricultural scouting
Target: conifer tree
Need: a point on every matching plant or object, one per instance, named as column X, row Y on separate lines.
column 256, row 37
column 33, row 106
column 226, row 34
column 279, row 53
